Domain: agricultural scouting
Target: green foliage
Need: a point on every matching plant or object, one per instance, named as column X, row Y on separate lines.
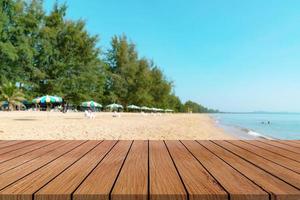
column 48, row 54
column 69, row 63
column 11, row 94
column 193, row 107
column 134, row 80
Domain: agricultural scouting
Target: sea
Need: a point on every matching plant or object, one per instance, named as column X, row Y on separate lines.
column 284, row 126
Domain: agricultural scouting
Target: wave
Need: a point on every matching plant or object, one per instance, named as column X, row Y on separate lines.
column 259, row 135
column 240, row 132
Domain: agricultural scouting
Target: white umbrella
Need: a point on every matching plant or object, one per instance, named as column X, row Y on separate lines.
column 114, row 106
column 133, row 107
column 47, row 99
column 145, row 108
column 91, row 104
column 155, row 109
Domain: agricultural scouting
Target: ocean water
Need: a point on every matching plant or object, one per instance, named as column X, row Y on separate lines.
column 280, row 126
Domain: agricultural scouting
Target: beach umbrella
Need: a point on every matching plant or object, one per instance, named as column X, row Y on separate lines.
column 4, row 104
column 36, row 100
column 133, row 107
column 47, row 99
column 114, row 106
column 145, row 108
column 91, row 104
column 154, row 109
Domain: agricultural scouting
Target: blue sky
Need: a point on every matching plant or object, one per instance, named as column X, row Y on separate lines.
column 232, row 55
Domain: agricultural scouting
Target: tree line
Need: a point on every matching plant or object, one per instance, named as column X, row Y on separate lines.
column 44, row 53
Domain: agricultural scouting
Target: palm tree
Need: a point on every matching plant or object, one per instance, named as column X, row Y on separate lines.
column 11, row 94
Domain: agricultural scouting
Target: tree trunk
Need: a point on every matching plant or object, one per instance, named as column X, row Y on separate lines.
column 10, row 107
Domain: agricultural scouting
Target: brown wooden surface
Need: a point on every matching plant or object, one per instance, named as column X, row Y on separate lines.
column 295, row 141
column 202, row 186
column 274, row 149
column 13, row 175
column 100, row 182
column 238, row 186
column 164, row 179
column 134, row 173
column 277, row 188
column 12, row 154
column 290, row 143
column 282, row 145
column 271, row 167
column 13, row 163
column 9, row 143
column 16, row 147
column 36, row 180
column 66, row 183
column 142, row 170
column 270, row 156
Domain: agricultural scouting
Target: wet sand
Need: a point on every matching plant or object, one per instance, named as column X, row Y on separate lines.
column 25, row 125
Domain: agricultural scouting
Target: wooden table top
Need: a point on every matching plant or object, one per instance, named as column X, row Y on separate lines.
column 156, row 170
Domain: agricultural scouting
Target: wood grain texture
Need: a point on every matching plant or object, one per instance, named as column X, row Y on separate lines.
column 99, row 183
column 16, row 147
column 19, row 172
column 134, row 174
column 202, row 186
column 36, row 180
column 271, row 167
column 282, row 146
column 15, row 162
column 9, row 143
column 238, row 186
column 12, row 154
column 165, row 183
column 154, row 170
column 277, row 188
column 283, row 152
column 273, row 157
column 289, row 142
column 62, row 187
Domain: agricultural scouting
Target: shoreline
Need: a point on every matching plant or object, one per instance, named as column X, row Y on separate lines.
column 240, row 132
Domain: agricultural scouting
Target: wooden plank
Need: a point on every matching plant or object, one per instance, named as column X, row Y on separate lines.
column 15, row 162
column 62, row 187
column 289, row 142
column 9, row 143
column 19, row 172
column 198, row 182
column 17, row 146
column 283, row 152
column 12, row 154
column 164, row 181
column 132, row 182
column 98, row 184
column 283, row 173
column 277, row 188
column 27, row 186
column 280, row 145
column 273, row 157
column 238, row 186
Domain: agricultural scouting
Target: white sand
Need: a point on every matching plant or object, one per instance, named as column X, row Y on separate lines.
column 45, row 125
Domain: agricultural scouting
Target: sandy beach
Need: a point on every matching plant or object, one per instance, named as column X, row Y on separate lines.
column 21, row 125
